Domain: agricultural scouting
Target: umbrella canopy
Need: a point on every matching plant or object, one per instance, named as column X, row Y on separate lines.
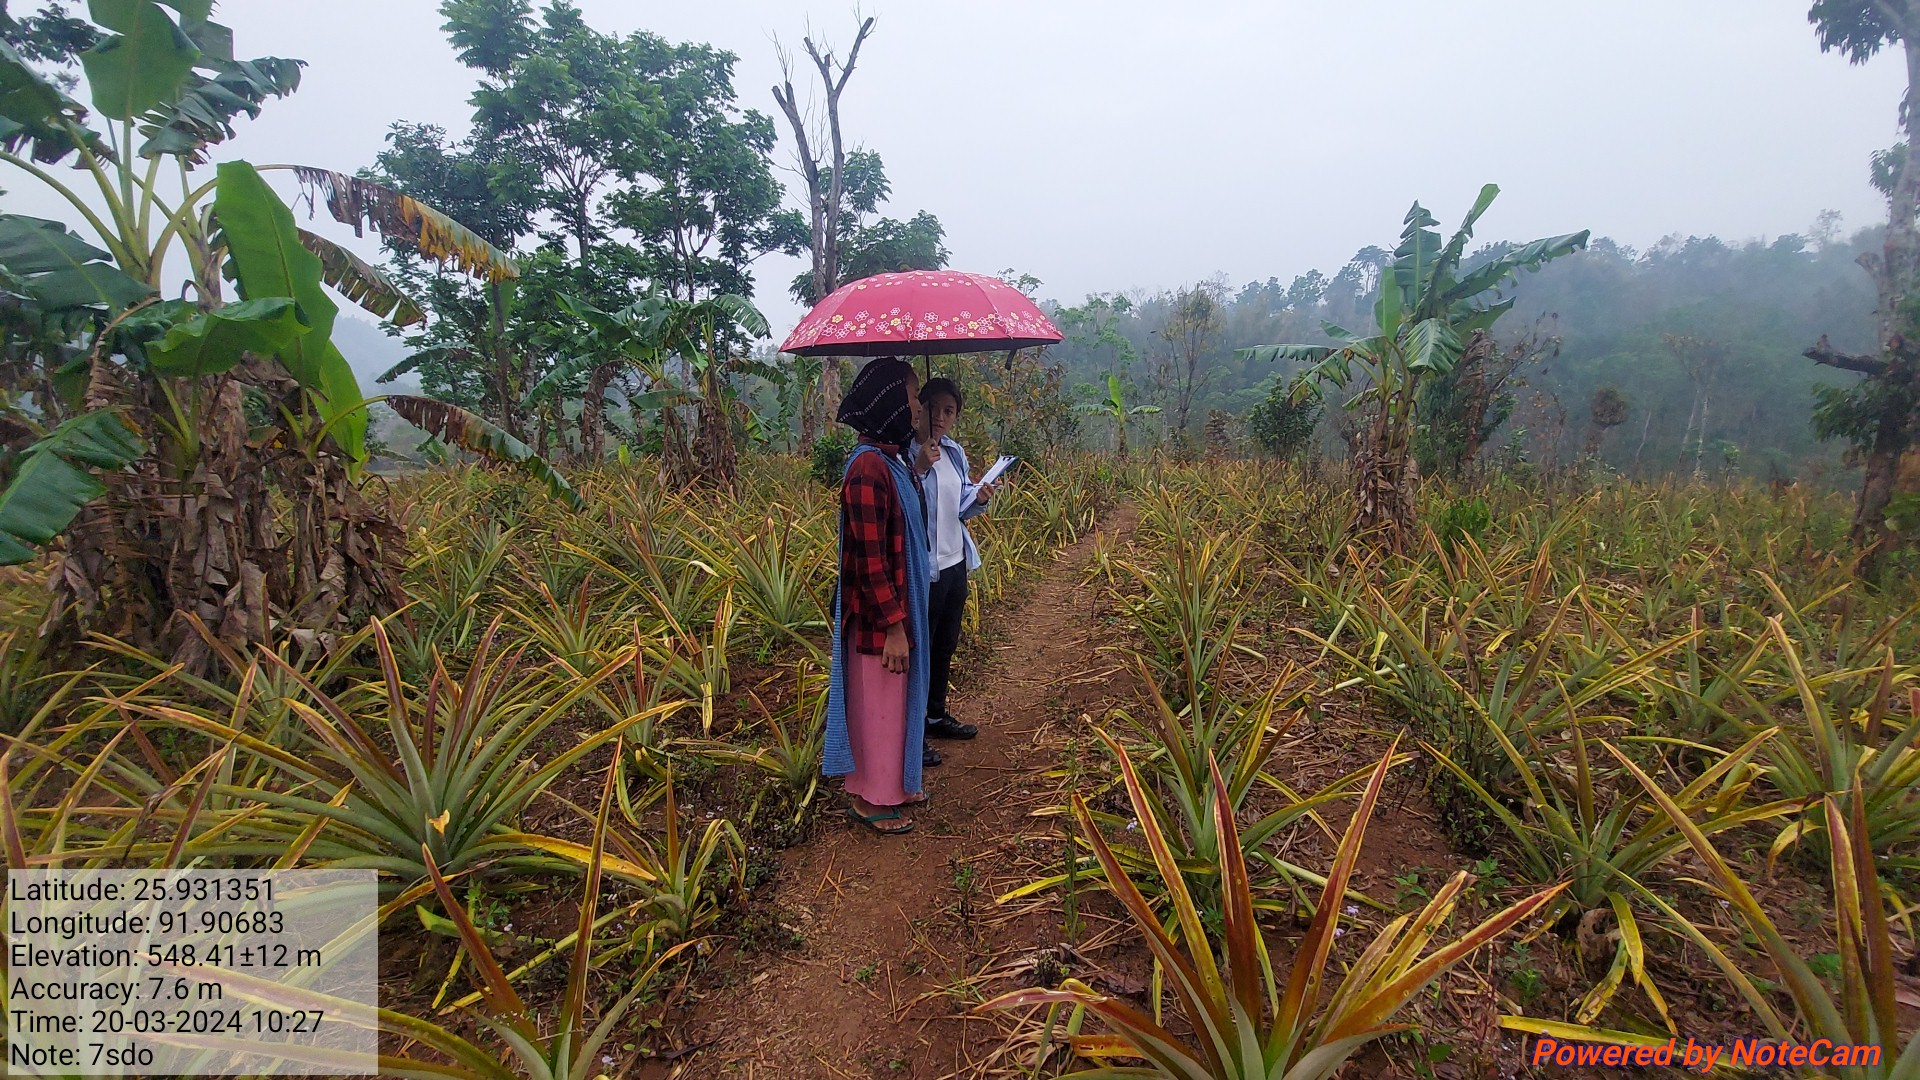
column 921, row 313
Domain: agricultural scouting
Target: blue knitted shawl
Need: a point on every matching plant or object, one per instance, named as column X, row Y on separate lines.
column 837, row 759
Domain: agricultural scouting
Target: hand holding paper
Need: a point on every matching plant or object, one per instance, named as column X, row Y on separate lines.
column 993, row 474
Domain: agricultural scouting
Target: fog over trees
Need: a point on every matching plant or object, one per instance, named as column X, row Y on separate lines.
column 1699, row 337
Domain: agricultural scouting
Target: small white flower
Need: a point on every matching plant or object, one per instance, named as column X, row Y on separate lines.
column 1338, row 930
column 1352, row 909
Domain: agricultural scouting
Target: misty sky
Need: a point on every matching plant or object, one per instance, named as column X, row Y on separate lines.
column 1142, row 144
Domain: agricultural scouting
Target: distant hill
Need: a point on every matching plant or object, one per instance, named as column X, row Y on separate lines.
column 372, row 352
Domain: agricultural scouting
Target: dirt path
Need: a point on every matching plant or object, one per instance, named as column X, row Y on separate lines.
column 899, row 934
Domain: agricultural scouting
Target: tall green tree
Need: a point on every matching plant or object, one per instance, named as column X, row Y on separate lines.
column 1190, row 340
column 1880, row 415
column 627, row 155
column 705, row 204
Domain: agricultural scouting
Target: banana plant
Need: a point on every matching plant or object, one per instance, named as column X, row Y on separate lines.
column 685, row 350
column 1116, row 410
column 166, row 87
column 1429, row 308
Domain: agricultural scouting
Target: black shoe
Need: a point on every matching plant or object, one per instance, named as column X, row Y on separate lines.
column 929, row 757
column 946, row 727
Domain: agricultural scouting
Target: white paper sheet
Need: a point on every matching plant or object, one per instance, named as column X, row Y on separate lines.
column 993, row 473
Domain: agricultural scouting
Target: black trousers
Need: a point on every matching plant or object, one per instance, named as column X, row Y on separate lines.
column 946, row 603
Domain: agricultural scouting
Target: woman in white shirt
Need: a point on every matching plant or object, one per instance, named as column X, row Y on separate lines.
column 942, row 466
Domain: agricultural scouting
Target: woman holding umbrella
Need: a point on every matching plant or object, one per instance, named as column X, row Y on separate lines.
column 877, row 690
column 912, row 313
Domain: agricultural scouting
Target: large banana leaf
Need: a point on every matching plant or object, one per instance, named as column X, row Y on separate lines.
column 358, row 202
column 207, row 104
column 735, row 310
column 141, row 67
column 269, row 260
column 1433, row 290
column 192, row 12
column 25, row 96
column 1432, row 346
column 456, row 426
column 1303, row 354
column 31, row 112
column 60, row 270
column 1414, row 259
column 52, row 483
column 361, row 282
column 1492, row 274
column 213, row 342
column 1420, row 289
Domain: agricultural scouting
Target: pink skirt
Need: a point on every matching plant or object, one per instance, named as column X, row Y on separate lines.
column 876, row 730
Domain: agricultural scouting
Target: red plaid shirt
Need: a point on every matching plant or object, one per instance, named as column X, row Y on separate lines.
column 873, row 564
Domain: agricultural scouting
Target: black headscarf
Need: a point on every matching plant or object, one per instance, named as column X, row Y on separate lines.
column 876, row 404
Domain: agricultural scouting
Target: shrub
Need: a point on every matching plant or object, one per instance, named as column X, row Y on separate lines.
column 1462, row 518
column 829, row 456
column 1281, row 425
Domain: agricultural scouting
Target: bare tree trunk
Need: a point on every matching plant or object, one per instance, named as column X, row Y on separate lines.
column 825, row 195
column 592, row 447
column 1700, row 452
column 678, row 469
column 809, row 419
column 1383, row 479
column 1897, row 368
column 1899, row 266
column 828, row 394
column 1473, row 388
column 503, row 388
column 719, row 459
column 1645, row 429
column 1686, row 436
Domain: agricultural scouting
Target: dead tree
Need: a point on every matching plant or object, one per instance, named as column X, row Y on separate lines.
column 824, row 170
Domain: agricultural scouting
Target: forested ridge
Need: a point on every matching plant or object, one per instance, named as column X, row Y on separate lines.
column 1630, row 320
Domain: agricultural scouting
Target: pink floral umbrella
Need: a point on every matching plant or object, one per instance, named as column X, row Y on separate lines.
column 921, row 313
